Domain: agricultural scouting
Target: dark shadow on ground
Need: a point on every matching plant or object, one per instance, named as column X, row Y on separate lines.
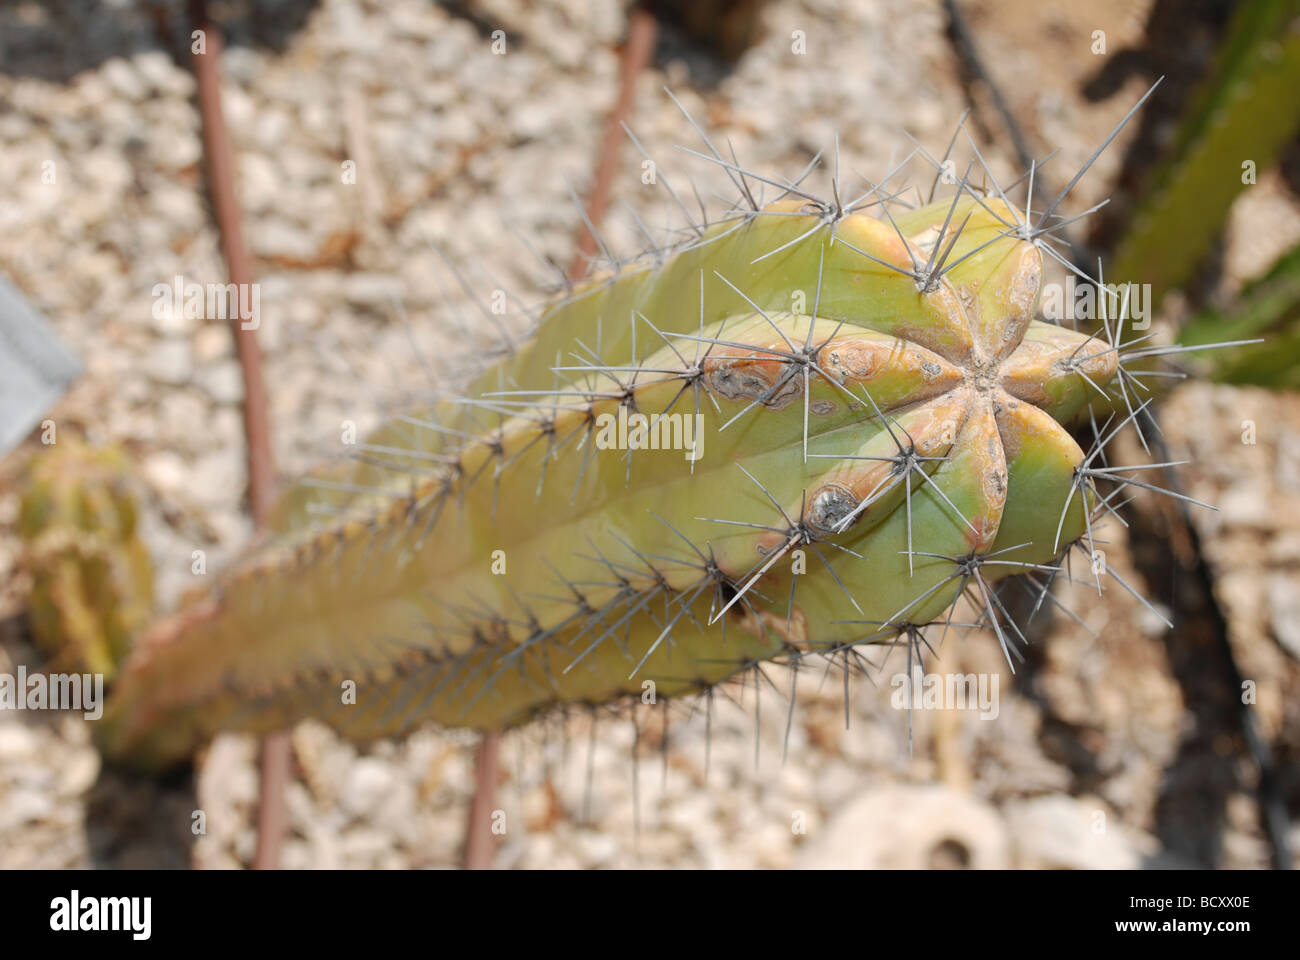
column 56, row 40
column 132, row 822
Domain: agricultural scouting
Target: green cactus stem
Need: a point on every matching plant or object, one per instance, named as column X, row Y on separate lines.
column 808, row 429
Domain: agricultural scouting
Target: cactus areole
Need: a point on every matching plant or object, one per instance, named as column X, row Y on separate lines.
column 803, row 431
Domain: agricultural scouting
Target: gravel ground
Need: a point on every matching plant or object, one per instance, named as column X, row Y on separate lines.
column 359, row 315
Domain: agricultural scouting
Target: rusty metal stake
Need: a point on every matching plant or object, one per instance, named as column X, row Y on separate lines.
column 276, row 755
column 479, row 843
column 637, row 51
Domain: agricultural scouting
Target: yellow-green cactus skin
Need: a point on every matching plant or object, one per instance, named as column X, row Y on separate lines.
column 91, row 574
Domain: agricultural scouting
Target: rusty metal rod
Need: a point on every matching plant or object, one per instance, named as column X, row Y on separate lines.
column 276, row 755
column 637, row 51
column 478, row 831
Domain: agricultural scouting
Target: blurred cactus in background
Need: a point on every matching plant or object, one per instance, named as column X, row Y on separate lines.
column 92, row 577
column 1231, row 131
